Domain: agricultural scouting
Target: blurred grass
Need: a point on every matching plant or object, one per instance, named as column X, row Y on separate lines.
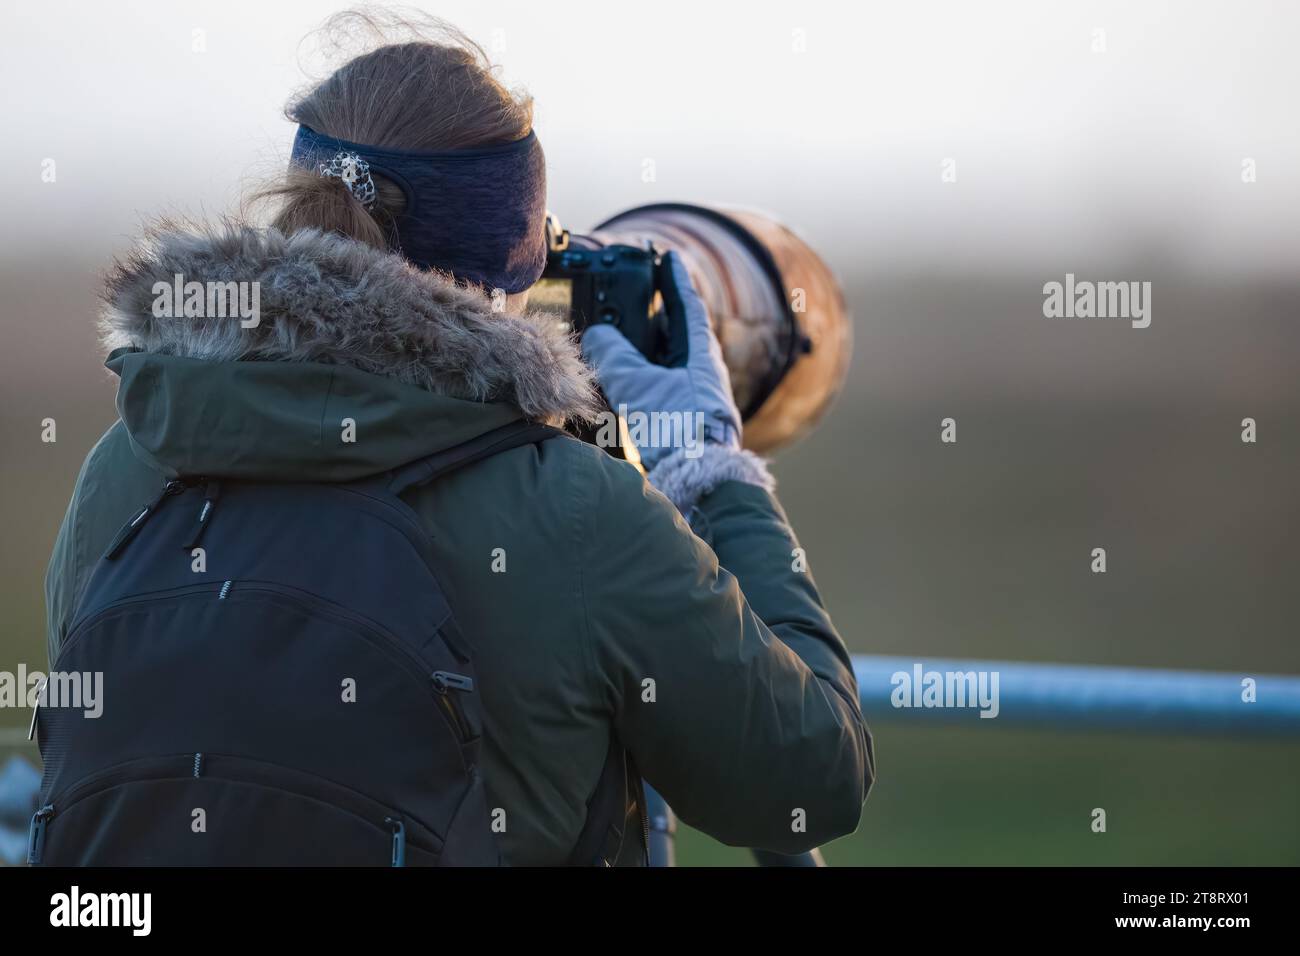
column 1010, row 797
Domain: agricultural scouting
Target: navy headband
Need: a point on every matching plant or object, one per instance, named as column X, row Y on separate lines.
column 479, row 214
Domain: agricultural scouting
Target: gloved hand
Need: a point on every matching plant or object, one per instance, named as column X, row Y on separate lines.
column 693, row 383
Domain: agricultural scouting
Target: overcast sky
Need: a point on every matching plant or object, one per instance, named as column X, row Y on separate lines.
column 837, row 116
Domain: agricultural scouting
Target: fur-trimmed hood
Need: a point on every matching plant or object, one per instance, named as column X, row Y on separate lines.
column 330, row 300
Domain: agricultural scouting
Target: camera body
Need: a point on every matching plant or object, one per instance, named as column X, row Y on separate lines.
column 588, row 283
column 781, row 320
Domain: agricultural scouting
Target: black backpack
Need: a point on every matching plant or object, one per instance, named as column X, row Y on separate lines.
column 307, row 699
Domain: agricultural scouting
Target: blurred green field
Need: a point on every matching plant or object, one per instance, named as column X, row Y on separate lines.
column 967, row 797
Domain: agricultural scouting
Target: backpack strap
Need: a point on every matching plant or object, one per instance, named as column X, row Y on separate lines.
column 617, row 805
column 424, row 470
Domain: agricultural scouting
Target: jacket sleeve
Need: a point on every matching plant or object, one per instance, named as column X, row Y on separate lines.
column 728, row 683
column 110, row 483
column 66, row 574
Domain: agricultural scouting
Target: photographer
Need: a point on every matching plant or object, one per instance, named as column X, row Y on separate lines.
column 610, row 641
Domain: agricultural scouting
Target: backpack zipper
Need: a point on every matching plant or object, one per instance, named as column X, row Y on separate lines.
column 40, row 690
column 444, row 682
column 228, row 768
column 167, row 594
column 132, row 527
column 36, row 839
column 387, row 641
column 211, row 492
column 398, row 828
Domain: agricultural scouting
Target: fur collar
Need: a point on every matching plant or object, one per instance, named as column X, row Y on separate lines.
column 324, row 298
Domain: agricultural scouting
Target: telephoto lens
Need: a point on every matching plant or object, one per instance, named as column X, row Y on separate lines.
column 776, row 307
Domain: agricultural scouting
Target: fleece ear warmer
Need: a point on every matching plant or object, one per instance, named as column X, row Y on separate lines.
column 479, row 214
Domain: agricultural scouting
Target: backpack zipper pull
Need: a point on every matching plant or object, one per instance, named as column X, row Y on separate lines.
column 132, row 527
column 399, row 840
column 444, row 681
column 36, row 711
column 36, row 840
column 211, row 492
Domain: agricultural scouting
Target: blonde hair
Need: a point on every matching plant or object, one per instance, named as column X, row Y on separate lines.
column 420, row 84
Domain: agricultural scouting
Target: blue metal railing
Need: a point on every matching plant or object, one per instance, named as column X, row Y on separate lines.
column 1079, row 697
column 1059, row 696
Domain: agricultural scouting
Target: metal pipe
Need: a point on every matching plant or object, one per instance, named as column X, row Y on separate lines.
column 662, row 829
column 1076, row 697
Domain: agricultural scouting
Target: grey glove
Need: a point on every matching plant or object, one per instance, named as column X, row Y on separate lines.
column 691, row 392
column 681, row 415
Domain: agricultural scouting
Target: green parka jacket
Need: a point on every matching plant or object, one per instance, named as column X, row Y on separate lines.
column 753, row 722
